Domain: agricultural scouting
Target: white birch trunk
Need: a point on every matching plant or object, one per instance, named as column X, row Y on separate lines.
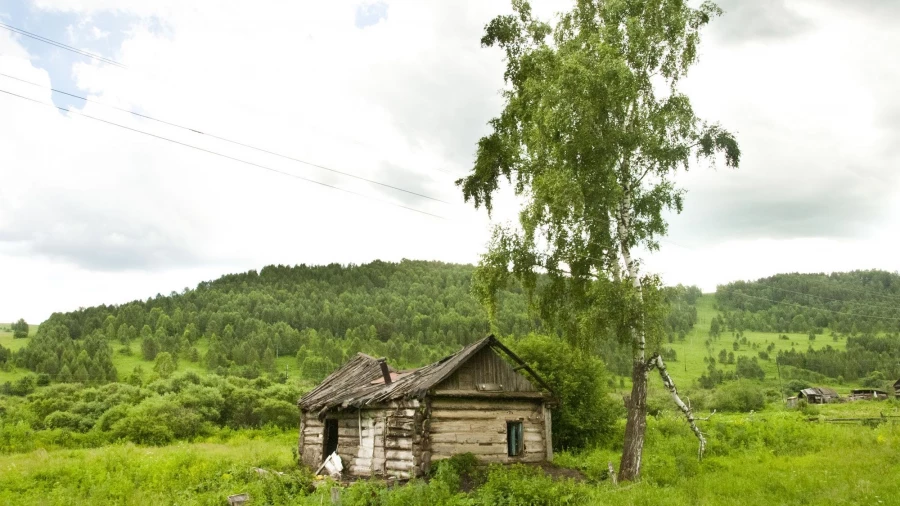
column 636, row 423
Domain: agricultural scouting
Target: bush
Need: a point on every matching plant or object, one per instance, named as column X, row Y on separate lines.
column 585, row 415
column 875, row 379
column 457, row 469
column 749, row 368
column 741, row 396
column 519, row 485
column 793, row 386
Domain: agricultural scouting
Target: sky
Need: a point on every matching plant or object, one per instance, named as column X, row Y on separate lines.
column 400, row 92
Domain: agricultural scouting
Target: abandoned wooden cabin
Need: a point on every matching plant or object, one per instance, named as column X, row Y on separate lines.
column 382, row 422
column 867, row 394
column 819, row 395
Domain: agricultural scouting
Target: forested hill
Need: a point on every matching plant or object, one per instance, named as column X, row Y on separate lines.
column 412, row 311
column 849, row 303
column 240, row 324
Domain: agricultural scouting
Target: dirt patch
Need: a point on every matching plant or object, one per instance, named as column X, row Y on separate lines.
column 561, row 473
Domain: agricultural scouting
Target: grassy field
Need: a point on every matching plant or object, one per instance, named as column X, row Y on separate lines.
column 7, row 341
column 772, row 457
column 693, row 349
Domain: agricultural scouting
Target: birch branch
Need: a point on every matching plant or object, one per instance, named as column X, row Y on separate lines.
column 707, row 418
column 656, row 361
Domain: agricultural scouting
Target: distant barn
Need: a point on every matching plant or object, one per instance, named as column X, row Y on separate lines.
column 867, row 394
column 383, row 422
column 819, row 395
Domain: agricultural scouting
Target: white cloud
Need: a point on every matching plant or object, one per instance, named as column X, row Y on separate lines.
column 92, row 213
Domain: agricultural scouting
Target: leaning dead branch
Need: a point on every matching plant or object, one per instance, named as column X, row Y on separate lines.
column 656, row 362
column 706, row 418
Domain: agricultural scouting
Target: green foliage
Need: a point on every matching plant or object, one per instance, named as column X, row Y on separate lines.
column 856, row 302
column 581, row 129
column 749, row 368
column 741, row 395
column 521, row 485
column 20, row 329
column 183, row 407
column 875, row 379
column 585, row 415
column 164, row 365
column 412, row 312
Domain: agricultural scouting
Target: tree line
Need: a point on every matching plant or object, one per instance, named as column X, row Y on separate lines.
column 412, row 312
column 848, row 303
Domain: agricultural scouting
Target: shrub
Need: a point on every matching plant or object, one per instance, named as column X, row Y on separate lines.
column 62, row 420
column 875, row 379
column 458, row 468
column 585, row 415
column 519, row 485
column 742, row 396
column 749, row 368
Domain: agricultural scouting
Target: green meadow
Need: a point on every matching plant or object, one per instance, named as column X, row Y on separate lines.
column 770, row 457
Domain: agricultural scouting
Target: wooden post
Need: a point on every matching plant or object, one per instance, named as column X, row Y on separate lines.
column 548, row 432
column 336, row 496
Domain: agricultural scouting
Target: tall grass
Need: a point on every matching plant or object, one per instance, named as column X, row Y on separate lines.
column 768, row 458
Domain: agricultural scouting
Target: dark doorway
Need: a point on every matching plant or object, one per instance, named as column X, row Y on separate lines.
column 331, row 438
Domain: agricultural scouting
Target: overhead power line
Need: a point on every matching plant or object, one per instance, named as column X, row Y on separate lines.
column 221, row 155
column 237, row 143
column 864, row 292
column 816, row 308
column 62, row 46
column 833, row 299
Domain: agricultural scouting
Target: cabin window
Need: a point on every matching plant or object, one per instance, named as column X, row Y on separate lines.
column 331, row 438
column 514, row 442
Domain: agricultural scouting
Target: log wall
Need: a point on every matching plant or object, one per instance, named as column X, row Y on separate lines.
column 478, row 426
column 378, row 441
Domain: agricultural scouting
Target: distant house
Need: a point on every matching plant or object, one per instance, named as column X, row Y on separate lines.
column 383, row 422
column 897, row 389
column 818, row 395
column 867, row 394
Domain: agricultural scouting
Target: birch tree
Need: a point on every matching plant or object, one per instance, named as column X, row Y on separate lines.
column 593, row 130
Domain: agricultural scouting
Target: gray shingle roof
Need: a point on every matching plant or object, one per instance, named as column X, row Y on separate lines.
column 360, row 382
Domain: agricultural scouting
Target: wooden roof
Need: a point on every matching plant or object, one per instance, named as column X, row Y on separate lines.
column 360, row 381
column 821, row 391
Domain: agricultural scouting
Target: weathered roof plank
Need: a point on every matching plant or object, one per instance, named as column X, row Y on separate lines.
column 356, row 383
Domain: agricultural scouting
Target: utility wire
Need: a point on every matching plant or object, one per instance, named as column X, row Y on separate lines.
column 62, row 46
column 194, row 130
column 833, row 299
column 221, row 155
column 816, row 308
column 864, row 292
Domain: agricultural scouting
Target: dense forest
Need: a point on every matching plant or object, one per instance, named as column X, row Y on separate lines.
column 413, row 312
column 861, row 306
column 847, row 303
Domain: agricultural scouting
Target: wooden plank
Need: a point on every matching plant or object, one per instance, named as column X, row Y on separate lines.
column 548, row 433
column 438, row 403
column 489, row 395
column 398, row 444
column 399, row 465
column 485, row 414
column 399, row 455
